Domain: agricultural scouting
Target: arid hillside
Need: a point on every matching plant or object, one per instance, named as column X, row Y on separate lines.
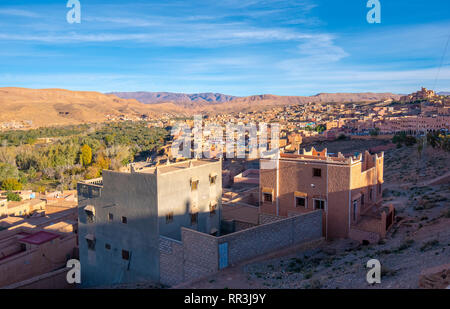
column 46, row 107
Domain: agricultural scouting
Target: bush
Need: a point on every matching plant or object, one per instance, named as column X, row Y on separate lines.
column 11, row 196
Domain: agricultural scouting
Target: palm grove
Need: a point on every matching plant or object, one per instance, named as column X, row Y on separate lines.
column 58, row 157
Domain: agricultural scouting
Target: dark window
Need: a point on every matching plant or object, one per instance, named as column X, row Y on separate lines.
column 124, row 220
column 267, row 197
column 379, row 188
column 90, row 244
column 362, row 199
column 194, row 218
column 212, row 179
column 169, row 218
column 319, row 204
column 89, row 216
column 110, row 217
column 194, row 185
column 125, row 255
column 300, row 201
column 317, row 172
column 107, row 246
column 371, row 194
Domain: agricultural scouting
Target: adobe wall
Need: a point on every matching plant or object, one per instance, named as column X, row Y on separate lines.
column 298, row 176
column 338, row 202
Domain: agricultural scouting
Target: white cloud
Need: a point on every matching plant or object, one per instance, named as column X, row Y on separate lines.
column 18, row 12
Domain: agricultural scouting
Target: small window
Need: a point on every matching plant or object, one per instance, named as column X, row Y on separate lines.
column 91, row 244
column 194, row 218
column 379, row 188
column 371, row 194
column 169, row 217
column 110, row 216
column 124, row 220
column 212, row 180
column 362, row 199
column 125, row 255
column 90, row 213
column 300, row 201
column 319, row 204
column 268, row 197
column 317, row 172
column 107, row 246
column 212, row 208
column 194, row 185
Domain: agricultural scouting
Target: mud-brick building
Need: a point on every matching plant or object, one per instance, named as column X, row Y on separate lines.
column 123, row 215
column 347, row 189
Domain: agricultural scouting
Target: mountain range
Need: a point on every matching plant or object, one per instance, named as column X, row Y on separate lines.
column 183, row 99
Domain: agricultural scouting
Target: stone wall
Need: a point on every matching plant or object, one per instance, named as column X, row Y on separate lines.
column 170, row 261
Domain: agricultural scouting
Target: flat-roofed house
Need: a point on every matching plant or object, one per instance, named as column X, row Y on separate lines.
column 123, row 215
column 347, row 189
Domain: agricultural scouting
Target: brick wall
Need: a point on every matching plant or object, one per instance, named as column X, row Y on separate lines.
column 201, row 255
column 267, row 218
column 170, row 261
column 272, row 236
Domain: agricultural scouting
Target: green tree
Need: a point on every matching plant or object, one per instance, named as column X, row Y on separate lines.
column 86, row 155
column 8, row 171
column 11, row 184
column 11, row 196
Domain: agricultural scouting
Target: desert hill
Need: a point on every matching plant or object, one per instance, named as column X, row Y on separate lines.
column 61, row 107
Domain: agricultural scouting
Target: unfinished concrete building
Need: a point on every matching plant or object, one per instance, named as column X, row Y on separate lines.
column 123, row 215
column 347, row 189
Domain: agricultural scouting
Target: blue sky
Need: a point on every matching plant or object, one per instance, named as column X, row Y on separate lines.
column 237, row 47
